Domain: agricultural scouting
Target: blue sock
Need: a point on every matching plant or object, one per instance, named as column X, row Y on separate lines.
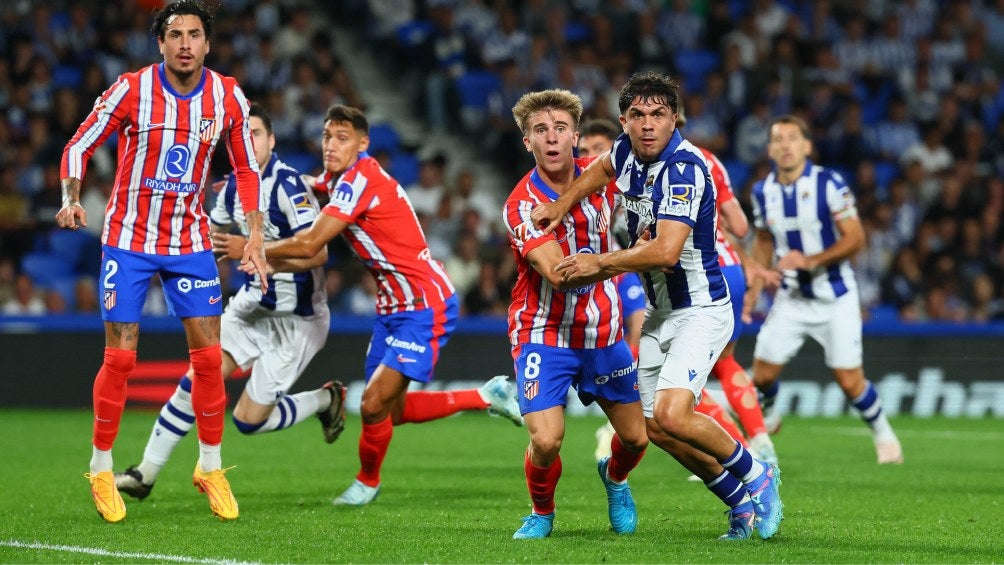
column 868, row 404
column 729, row 489
column 768, row 394
column 742, row 465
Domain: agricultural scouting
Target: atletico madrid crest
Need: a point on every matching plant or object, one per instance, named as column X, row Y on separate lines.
column 109, row 299
column 530, row 389
column 207, row 129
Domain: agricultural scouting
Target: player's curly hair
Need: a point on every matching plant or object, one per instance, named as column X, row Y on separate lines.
column 554, row 99
column 182, row 8
column 650, row 87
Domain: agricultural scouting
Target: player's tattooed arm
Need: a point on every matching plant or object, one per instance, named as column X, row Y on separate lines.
column 72, row 214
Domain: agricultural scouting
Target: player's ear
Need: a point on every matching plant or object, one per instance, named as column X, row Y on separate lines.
column 526, row 144
column 364, row 142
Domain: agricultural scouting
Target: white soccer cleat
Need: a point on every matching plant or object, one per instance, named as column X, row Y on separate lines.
column 358, row 494
column 889, row 451
column 500, row 394
column 772, row 420
column 604, row 435
column 763, row 448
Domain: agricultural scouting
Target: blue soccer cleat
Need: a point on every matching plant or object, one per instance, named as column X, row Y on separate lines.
column 741, row 520
column 500, row 394
column 535, row 526
column 620, row 503
column 767, row 502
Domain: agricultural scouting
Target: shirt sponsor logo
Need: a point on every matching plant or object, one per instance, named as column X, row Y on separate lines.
column 177, row 160
column 641, row 208
column 681, row 193
column 170, row 185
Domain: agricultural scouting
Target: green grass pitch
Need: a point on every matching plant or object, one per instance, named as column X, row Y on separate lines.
column 453, row 492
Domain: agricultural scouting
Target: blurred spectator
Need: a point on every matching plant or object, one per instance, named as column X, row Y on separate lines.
column 85, row 295
column 26, row 300
column 464, row 267
column 428, row 193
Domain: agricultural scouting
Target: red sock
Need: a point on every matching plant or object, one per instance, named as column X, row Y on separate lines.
column 716, row 412
column 741, row 394
column 373, row 444
column 541, row 482
column 422, row 406
column 209, row 396
column 109, row 395
column 622, row 460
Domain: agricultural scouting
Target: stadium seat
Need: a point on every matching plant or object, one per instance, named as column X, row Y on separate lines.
column 693, row 65
column 475, row 89
column 739, row 173
column 885, row 172
column 413, row 33
column 306, row 163
column 72, row 245
column 383, row 137
column 45, row 268
column 66, row 287
column 404, row 168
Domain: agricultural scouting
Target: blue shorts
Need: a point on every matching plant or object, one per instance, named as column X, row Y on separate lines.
column 191, row 284
column 544, row 373
column 735, row 279
column 631, row 292
column 409, row 342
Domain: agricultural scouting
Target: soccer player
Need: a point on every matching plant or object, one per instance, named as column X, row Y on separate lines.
column 669, row 198
column 806, row 219
column 566, row 335
column 169, row 118
column 416, row 306
column 274, row 334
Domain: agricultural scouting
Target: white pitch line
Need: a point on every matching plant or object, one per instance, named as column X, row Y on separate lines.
column 925, row 434
column 120, row 554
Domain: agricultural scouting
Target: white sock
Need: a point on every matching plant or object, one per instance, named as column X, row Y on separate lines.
column 175, row 420
column 293, row 409
column 209, row 457
column 101, row 460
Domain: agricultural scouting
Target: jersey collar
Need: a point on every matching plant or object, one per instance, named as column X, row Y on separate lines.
column 167, row 85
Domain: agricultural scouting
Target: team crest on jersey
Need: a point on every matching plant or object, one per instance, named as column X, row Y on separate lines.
column 530, row 389
column 207, row 128
column 100, row 105
column 109, row 299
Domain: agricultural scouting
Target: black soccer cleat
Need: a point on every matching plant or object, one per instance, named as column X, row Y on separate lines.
column 333, row 417
column 131, row 483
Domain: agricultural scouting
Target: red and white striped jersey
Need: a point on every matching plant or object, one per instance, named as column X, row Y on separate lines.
column 723, row 186
column 165, row 145
column 588, row 317
column 385, row 235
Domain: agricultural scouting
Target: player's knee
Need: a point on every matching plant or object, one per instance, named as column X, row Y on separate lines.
column 546, row 447
column 635, row 440
column 120, row 361
column 247, row 428
column 207, row 360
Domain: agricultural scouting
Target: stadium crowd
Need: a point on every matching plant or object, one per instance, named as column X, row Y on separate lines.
column 903, row 97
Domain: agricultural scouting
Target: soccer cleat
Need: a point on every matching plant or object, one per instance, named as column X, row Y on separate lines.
column 358, row 494
column 106, row 497
column 767, row 503
column 500, row 394
column 535, row 526
column 604, row 435
column 763, row 449
column 740, row 523
column 131, row 482
column 333, row 417
column 620, row 503
column 889, row 451
column 217, row 488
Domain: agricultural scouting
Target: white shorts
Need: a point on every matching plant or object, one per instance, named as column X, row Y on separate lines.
column 678, row 350
column 836, row 325
column 276, row 347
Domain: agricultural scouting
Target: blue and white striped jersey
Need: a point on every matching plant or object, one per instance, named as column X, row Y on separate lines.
column 803, row 216
column 677, row 186
column 289, row 207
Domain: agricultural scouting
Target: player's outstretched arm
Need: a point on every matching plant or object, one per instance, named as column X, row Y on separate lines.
column 72, row 215
column 547, row 215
